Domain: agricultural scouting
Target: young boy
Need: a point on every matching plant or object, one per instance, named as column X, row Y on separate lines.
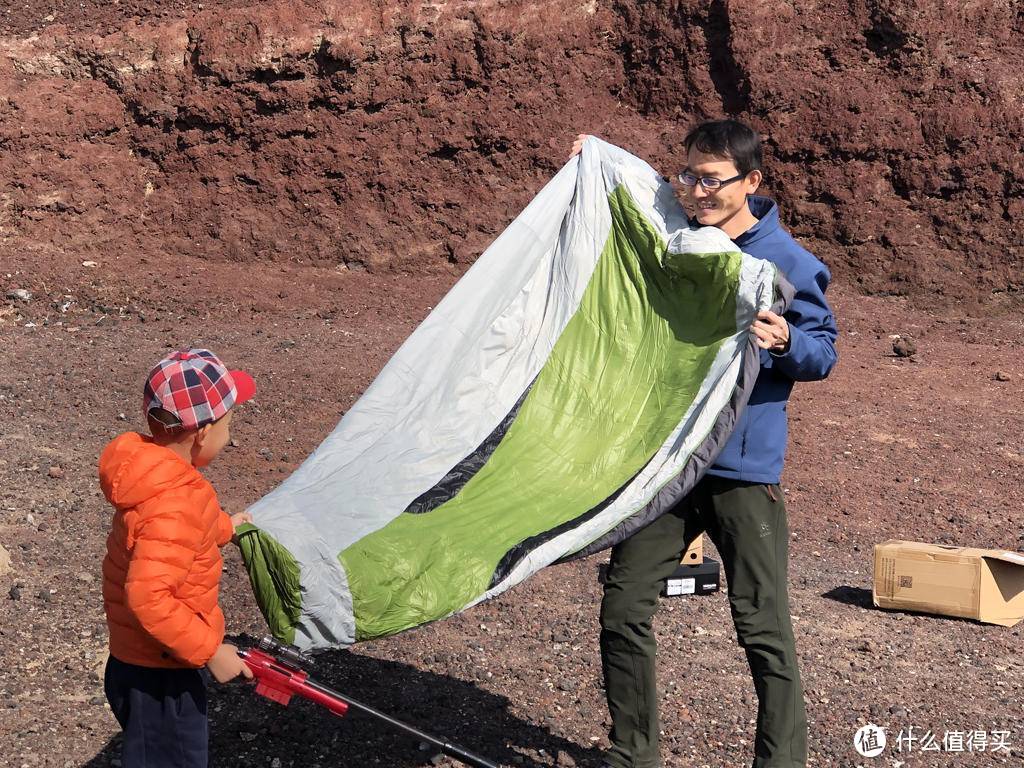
column 163, row 563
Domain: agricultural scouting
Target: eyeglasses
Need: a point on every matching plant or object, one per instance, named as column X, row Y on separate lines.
column 709, row 183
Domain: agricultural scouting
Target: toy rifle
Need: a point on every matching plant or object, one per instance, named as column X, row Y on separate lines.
column 280, row 672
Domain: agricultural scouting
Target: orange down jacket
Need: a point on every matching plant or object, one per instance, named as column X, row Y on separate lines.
column 161, row 575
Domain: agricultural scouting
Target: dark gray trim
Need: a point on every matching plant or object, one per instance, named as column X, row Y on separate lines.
column 513, row 557
column 448, row 487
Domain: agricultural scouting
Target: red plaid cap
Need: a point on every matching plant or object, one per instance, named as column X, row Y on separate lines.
column 195, row 386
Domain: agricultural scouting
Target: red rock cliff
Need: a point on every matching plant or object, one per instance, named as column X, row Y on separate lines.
column 389, row 135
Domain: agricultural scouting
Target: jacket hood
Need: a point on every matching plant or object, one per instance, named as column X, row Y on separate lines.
column 767, row 213
column 133, row 469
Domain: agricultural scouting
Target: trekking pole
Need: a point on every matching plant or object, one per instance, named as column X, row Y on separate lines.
column 281, row 672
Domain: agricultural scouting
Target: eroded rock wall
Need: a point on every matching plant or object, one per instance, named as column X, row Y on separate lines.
column 388, row 135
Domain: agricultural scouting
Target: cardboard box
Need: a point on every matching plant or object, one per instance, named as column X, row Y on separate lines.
column 982, row 584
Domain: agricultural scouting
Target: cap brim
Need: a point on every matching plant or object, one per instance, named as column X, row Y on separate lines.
column 245, row 387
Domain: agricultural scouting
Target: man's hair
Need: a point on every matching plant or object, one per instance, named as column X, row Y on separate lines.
column 727, row 139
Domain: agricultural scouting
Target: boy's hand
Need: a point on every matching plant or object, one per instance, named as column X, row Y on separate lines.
column 226, row 664
column 237, row 519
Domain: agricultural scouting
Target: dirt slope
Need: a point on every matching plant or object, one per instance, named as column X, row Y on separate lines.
column 403, row 136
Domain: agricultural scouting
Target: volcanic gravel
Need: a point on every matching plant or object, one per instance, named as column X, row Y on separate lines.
column 923, row 448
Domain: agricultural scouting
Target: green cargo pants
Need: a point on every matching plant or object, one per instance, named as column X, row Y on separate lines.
column 747, row 523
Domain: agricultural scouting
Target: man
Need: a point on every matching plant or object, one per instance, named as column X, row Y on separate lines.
column 738, row 502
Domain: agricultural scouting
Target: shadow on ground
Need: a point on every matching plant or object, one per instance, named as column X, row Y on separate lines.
column 248, row 730
column 856, row 596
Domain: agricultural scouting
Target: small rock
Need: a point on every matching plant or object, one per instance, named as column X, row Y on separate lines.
column 85, row 577
column 55, row 472
column 566, row 685
column 19, row 294
column 247, row 736
column 5, row 562
column 89, row 264
column 437, row 759
column 904, row 346
column 898, row 711
column 560, row 635
column 45, row 596
column 30, row 519
column 233, row 443
column 275, row 763
column 14, row 593
column 266, row 453
column 1001, row 376
column 122, row 417
column 564, row 759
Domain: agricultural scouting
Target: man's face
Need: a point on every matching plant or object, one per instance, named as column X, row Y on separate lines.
column 716, row 208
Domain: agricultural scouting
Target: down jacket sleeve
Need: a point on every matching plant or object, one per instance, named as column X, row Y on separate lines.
column 166, row 544
column 225, row 530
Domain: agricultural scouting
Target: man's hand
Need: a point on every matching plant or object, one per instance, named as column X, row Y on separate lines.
column 226, row 664
column 577, row 146
column 771, row 331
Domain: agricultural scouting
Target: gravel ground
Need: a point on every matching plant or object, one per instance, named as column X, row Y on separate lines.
column 925, row 448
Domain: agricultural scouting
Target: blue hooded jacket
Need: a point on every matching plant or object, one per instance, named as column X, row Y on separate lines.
column 757, row 447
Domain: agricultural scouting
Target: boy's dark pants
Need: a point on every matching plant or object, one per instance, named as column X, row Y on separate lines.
column 162, row 713
column 747, row 523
